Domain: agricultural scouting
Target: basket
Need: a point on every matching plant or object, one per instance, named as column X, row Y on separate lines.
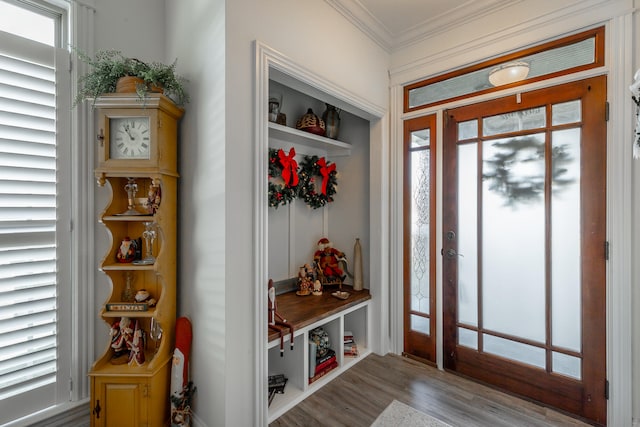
column 311, row 123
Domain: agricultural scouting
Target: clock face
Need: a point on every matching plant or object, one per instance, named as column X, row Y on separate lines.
column 130, row 138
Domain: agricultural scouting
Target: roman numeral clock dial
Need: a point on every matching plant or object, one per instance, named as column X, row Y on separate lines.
column 130, row 138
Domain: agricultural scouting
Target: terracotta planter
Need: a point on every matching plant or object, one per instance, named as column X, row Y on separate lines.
column 127, row 84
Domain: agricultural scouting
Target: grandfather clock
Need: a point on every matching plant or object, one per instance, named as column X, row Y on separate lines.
column 137, row 163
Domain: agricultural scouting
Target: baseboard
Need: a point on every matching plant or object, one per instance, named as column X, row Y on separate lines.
column 197, row 422
column 78, row 416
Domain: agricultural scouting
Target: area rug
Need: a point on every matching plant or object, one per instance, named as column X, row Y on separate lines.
column 397, row 414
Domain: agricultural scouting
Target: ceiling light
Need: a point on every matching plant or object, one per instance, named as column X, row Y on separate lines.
column 509, row 73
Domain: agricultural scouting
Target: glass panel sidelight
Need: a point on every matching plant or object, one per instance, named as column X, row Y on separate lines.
column 468, row 234
column 420, row 220
column 513, row 243
column 565, row 242
column 418, row 237
column 420, row 324
column 420, row 138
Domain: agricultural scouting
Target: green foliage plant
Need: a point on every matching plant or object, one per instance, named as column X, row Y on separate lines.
column 108, row 66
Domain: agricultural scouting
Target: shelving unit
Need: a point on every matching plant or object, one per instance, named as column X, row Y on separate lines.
column 131, row 393
column 295, row 229
column 307, row 313
column 290, row 135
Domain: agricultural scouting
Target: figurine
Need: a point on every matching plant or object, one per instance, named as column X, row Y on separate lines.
column 303, row 282
column 153, row 199
column 144, row 296
column 136, row 355
column 327, row 259
column 317, row 288
column 121, row 340
column 276, row 321
column 127, row 250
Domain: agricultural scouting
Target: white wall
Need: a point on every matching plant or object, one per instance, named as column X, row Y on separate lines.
column 636, row 246
column 136, row 33
column 214, row 42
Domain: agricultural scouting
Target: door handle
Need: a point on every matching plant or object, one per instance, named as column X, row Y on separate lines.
column 451, row 253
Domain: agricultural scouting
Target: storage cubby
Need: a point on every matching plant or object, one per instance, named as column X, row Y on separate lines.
column 305, row 314
column 294, row 230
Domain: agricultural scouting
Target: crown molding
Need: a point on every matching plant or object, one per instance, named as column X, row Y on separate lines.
column 365, row 21
column 362, row 19
column 467, row 12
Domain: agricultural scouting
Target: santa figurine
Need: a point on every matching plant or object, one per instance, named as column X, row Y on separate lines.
column 327, row 258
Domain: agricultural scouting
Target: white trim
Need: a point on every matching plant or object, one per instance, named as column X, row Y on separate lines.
column 360, row 17
column 81, row 34
column 619, row 222
column 363, row 20
column 69, row 414
column 396, row 228
column 260, row 251
column 271, row 62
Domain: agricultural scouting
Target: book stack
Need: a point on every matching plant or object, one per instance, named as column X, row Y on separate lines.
column 350, row 346
column 323, row 365
column 276, row 385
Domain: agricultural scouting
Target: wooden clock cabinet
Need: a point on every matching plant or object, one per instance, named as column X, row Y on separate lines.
column 125, row 391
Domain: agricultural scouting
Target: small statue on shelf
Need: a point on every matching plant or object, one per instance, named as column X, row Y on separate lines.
column 143, row 296
column 121, row 340
column 327, row 260
column 276, row 321
column 136, row 355
column 128, row 250
column 305, row 280
column 153, row 199
column 317, row 288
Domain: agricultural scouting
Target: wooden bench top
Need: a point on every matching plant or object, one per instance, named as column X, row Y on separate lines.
column 302, row 311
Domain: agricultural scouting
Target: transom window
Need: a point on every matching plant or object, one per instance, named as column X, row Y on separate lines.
column 567, row 55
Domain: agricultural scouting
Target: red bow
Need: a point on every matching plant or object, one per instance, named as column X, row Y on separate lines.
column 289, row 167
column 325, row 171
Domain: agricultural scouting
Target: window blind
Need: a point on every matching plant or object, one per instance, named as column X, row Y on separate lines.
column 28, row 352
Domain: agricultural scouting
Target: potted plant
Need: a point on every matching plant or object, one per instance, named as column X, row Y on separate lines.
column 108, row 67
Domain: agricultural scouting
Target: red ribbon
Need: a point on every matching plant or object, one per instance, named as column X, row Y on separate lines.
column 325, row 171
column 289, row 167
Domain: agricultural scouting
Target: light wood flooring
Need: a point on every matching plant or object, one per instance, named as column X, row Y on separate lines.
column 359, row 395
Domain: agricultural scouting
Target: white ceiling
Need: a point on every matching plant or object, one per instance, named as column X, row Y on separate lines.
column 396, row 23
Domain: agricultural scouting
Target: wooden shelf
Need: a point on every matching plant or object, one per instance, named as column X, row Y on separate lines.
column 294, row 136
column 302, row 311
column 129, row 218
column 127, row 266
column 115, row 314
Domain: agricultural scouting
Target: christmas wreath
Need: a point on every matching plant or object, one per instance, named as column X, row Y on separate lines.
column 282, row 167
column 311, row 168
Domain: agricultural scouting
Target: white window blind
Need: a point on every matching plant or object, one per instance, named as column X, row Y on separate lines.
column 28, row 217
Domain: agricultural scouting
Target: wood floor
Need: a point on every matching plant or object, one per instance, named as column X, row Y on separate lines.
column 359, row 395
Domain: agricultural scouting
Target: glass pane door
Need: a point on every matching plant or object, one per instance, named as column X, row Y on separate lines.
column 524, row 206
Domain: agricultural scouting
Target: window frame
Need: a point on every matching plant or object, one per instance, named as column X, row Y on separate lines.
column 74, row 228
column 599, row 59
